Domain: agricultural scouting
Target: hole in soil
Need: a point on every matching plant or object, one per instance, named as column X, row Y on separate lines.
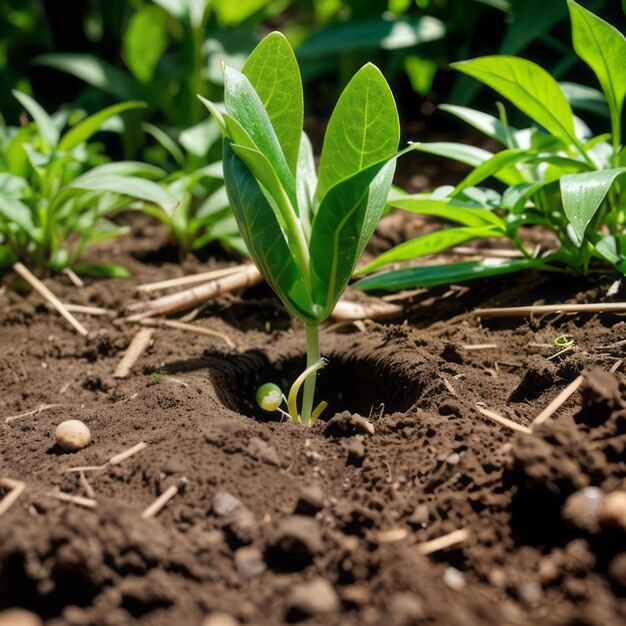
column 364, row 385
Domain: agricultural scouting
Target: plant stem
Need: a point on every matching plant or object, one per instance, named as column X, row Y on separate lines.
column 312, row 356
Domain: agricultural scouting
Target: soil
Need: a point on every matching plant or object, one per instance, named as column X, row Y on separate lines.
column 274, row 523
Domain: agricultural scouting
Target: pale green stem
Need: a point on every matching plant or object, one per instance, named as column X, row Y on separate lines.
column 312, row 357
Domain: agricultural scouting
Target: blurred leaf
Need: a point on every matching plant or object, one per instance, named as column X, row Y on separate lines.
column 450, row 273
column 198, row 139
column 231, row 13
column 485, row 123
column 585, row 98
column 145, row 40
column 16, row 212
column 500, row 165
column 470, row 155
column 421, row 73
column 109, row 270
column 48, row 132
column 373, row 34
column 166, row 141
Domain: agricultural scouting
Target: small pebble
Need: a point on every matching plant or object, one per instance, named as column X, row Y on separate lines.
column 317, row 597
column 453, row 579
column 613, row 510
column 298, row 536
column 310, row 500
column 218, row 618
column 581, row 509
column 72, row 435
column 249, row 562
column 225, row 503
column 405, row 609
column 530, row 593
column 19, row 617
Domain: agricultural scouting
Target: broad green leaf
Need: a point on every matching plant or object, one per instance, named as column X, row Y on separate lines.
column 95, row 72
column 264, row 238
column 92, row 124
column 231, row 13
column 124, row 168
column 610, row 249
column 273, row 71
column 603, row 48
column 452, row 209
column 470, row 155
column 499, row 165
column 48, row 132
column 139, row 188
column 363, row 129
column 15, row 212
column 343, row 223
column 13, row 186
column 485, row 123
column 529, row 87
column 373, row 34
column 431, row 276
column 429, row 244
column 244, row 105
column 145, row 40
column 200, row 138
column 583, row 194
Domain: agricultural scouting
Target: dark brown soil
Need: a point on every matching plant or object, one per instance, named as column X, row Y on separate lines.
column 276, row 523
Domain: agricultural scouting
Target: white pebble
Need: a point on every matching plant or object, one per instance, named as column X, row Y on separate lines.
column 454, row 579
column 72, row 435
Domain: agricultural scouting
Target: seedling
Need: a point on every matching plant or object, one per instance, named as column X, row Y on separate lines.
column 556, row 174
column 564, row 341
column 305, row 230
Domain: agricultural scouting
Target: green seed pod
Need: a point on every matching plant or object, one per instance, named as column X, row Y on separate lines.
column 269, row 396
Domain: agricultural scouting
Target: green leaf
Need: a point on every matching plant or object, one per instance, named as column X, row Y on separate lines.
column 585, row 98
column 144, row 41
column 500, row 165
column 583, row 194
column 274, row 73
column 470, row 155
column 363, row 130
column 343, row 223
column 485, row 123
column 109, row 270
column 529, row 87
column 432, row 243
column 264, row 238
column 373, row 34
column 306, row 178
column 431, row 276
column 95, row 72
column 48, row 132
column 603, row 48
column 165, row 141
column 15, row 212
column 245, row 107
column 92, row 124
column 452, row 209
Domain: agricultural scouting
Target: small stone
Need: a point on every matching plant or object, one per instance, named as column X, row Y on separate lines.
column 218, row 618
column 582, row 508
column 311, row 599
column 613, row 510
column 356, row 451
column 72, row 435
column 347, row 424
column 249, row 562
column 617, row 570
column 310, row 500
column 405, row 609
column 530, row 593
column 243, row 527
column 420, row 516
column 453, row 459
column 19, row 617
column 174, row 465
column 297, row 539
column 453, row 579
column 259, row 449
column 225, row 503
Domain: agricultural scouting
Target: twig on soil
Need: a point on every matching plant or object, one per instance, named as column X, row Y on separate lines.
column 523, row 311
column 444, row 542
column 390, row 536
column 136, row 348
column 352, row 311
column 122, row 456
column 190, row 298
column 88, row 503
column 89, row 490
column 480, row 346
column 616, row 366
column 556, row 404
column 560, row 352
column 155, row 508
column 16, row 487
column 449, row 386
column 39, row 409
column 192, row 278
column 27, row 275
column 504, row 421
column 77, row 281
column 87, row 468
column 187, row 327
column 88, row 310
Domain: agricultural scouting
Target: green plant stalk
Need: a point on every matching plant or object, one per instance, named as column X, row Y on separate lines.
column 312, row 357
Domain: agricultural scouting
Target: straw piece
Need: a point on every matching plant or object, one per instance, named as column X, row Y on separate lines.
column 43, row 407
column 88, row 310
column 88, row 503
column 122, row 456
column 189, row 328
column 557, row 402
column 27, row 275
column 480, row 346
column 191, row 279
column 155, row 508
column 16, row 487
column 444, row 542
column 353, row 311
column 523, row 311
column 76, row 280
column 136, row 348
column 504, row 421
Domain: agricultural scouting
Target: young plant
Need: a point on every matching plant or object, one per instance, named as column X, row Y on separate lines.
column 305, row 230
column 555, row 174
column 56, row 191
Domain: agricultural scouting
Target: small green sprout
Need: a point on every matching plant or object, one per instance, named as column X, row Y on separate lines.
column 269, row 397
column 157, row 377
column 564, row 341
